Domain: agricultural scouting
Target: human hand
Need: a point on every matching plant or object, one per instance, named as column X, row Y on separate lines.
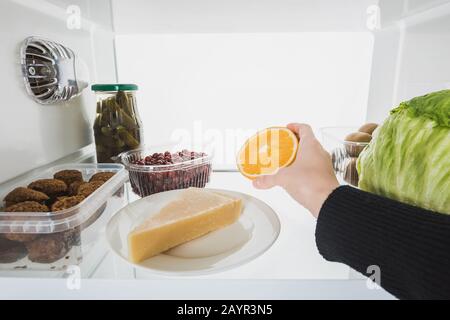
column 310, row 179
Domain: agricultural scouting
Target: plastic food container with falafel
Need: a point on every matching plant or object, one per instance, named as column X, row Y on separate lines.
column 54, row 219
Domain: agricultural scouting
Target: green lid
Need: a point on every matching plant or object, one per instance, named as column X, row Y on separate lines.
column 114, row 87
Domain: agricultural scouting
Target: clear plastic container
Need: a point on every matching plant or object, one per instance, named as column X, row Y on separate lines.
column 64, row 238
column 149, row 179
column 344, row 154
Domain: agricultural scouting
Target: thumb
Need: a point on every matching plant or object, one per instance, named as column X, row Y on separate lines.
column 265, row 182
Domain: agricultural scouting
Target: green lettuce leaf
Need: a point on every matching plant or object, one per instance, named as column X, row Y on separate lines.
column 408, row 158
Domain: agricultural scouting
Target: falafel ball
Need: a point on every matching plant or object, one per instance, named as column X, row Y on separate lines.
column 68, row 176
column 48, row 248
column 72, row 237
column 66, row 203
column 27, row 206
column 51, row 187
column 74, row 186
column 11, row 251
column 101, row 176
column 87, row 189
column 22, row 194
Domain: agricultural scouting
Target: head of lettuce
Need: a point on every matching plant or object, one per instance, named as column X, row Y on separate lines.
column 408, row 158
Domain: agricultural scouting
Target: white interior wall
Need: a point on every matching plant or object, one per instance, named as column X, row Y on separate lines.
column 34, row 134
column 215, row 88
column 248, row 16
column 411, row 53
column 264, row 50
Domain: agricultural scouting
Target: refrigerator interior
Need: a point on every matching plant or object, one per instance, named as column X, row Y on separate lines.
column 35, row 135
column 211, row 72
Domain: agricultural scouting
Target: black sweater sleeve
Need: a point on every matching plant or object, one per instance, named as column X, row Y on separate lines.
column 410, row 245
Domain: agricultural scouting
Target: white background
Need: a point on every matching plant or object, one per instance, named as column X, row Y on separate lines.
column 225, row 85
column 215, row 71
column 410, row 55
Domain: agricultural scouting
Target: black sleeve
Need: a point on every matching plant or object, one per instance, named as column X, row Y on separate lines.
column 410, row 245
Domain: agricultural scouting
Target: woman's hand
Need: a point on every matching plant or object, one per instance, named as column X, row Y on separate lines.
column 310, row 179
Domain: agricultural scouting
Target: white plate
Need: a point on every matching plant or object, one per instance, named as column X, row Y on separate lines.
column 250, row 236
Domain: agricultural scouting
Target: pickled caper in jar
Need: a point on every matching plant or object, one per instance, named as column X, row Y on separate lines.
column 117, row 125
column 127, row 137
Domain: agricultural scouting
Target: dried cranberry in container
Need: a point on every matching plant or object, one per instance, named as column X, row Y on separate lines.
column 152, row 170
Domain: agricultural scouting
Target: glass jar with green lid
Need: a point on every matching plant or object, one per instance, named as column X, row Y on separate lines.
column 117, row 125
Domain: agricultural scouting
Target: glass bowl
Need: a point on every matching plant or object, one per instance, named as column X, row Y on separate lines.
column 344, row 154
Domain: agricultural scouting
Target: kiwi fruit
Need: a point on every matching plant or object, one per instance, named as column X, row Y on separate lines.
column 358, row 137
column 354, row 149
column 368, row 128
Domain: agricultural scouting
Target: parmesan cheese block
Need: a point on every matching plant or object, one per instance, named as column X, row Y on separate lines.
column 195, row 213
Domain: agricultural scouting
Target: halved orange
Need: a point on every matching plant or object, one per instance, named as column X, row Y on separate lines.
column 267, row 151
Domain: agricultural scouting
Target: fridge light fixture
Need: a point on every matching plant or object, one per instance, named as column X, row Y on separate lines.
column 51, row 71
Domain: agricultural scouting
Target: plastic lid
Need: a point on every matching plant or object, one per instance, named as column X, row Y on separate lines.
column 114, row 87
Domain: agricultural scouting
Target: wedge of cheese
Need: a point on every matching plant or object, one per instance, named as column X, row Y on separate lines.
column 195, row 213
